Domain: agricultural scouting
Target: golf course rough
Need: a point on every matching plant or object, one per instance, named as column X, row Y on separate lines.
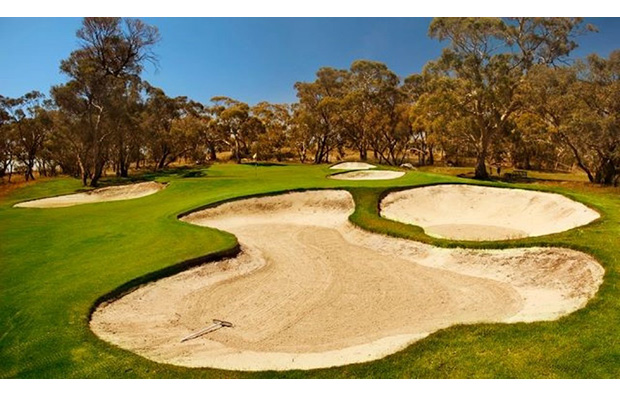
column 310, row 290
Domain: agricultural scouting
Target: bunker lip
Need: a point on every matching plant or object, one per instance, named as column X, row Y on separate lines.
column 361, row 175
column 477, row 213
column 107, row 194
column 352, row 166
column 310, row 290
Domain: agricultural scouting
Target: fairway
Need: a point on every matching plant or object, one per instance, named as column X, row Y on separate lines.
column 88, row 253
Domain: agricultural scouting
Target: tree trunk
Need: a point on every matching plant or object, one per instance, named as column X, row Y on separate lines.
column 162, row 161
column 481, row 157
column 580, row 163
column 481, row 168
column 94, row 181
column 122, row 165
column 83, row 170
column 237, row 153
column 363, row 152
column 124, row 169
column 318, row 157
column 212, row 152
column 29, row 170
column 606, row 173
column 29, row 175
column 302, row 153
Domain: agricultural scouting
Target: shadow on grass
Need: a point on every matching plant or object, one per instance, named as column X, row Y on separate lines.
column 263, row 164
column 511, row 180
column 179, row 172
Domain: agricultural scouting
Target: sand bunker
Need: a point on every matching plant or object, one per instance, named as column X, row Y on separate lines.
column 108, row 194
column 310, row 290
column 352, row 166
column 368, row 175
column 465, row 212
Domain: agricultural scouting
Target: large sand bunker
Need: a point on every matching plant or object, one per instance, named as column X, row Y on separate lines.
column 108, row 194
column 352, row 166
column 368, row 175
column 465, row 212
column 310, row 290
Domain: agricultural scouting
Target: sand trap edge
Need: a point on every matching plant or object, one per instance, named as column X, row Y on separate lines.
column 397, row 189
column 168, row 271
column 213, row 257
column 179, row 267
column 257, row 195
column 389, row 175
column 25, row 204
column 349, row 165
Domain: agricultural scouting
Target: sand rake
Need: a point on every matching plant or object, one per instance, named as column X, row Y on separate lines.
column 217, row 324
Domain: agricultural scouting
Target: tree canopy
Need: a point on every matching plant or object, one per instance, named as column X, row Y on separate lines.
column 503, row 92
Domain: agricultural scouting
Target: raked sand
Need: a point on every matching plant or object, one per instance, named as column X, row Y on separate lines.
column 361, row 175
column 466, row 212
column 108, row 194
column 310, row 290
column 352, row 166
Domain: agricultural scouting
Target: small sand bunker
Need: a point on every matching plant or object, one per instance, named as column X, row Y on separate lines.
column 310, row 290
column 465, row 212
column 352, row 166
column 368, row 175
column 108, row 194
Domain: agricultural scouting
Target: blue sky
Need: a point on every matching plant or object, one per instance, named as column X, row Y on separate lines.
column 247, row 59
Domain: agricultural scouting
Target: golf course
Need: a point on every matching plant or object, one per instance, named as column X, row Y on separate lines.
column 61, row 265
column 309, row 198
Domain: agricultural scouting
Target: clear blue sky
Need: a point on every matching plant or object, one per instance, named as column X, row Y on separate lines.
column 247, row 59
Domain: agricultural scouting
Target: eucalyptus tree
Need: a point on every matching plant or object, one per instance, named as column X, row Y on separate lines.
column 7, row 138
column 597, row 122
column 276, row 120
column 32, row 127
column 202, row 139
column 490, row 57
column 164, row 142
column 580, row 106
column 319, row 110
column 369, row 87
column 391, row 136
column 26, row 126
column 433, row 97
column 124, row 121
column 112, row 51
column 235, row 123
column 300, row 136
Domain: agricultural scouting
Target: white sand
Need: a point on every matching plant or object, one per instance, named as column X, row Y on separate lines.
column 352, row 166
column 310, row 290
column 368, row 175
column 108, row 194
column 466, row 212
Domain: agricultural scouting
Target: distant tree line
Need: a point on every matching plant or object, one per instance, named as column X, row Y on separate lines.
column 502, row 93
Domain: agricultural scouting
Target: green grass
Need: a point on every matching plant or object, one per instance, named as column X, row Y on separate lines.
column 55, row 263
